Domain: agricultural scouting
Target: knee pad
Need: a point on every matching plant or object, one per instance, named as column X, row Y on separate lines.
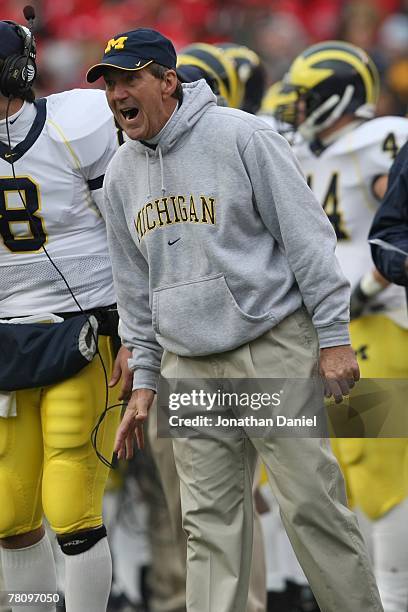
column 67, row 479
column 80, row 542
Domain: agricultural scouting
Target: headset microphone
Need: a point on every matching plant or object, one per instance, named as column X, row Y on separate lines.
column 29, row 14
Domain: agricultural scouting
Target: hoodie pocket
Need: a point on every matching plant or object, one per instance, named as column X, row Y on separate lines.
column 201, row 317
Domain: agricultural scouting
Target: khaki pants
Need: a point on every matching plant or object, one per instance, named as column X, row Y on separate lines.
column 216, row 490
column 162, row 451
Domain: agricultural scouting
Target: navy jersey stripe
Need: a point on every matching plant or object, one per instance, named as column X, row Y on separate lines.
column 35, row 131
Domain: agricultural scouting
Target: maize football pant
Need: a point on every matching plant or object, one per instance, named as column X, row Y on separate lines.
column 47, row 462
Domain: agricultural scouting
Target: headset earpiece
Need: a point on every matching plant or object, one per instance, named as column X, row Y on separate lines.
column 18, row 71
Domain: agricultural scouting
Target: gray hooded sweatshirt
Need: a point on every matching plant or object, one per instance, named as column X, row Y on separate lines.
column 215, row 237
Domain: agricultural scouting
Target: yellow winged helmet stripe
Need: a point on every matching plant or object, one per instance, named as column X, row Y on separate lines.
column 305, row 73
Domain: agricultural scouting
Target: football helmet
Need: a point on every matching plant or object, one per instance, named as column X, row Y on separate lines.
column 250, row 73
column 333, row 79
column 280, row 102
column 188, row 72
column 212, row 61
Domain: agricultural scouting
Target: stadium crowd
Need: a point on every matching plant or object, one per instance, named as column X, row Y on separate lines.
column 70, row 32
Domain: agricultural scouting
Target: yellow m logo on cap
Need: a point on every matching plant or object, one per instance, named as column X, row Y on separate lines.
column 116, row 43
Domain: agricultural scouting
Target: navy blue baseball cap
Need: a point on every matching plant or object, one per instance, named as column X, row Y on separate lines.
column 10, row 41
column 133, row 51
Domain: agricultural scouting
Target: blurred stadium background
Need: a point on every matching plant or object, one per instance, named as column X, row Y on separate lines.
column 71, row 34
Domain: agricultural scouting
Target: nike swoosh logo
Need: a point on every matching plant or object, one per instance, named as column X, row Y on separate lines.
column 138, row 63
column 171, row 242
column 7, row 155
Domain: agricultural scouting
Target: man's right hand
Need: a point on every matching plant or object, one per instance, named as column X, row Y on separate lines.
column 131, row 426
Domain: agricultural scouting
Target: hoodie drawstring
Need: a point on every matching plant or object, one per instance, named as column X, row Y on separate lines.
column 149, row 190
column 149, row 187
column 163, row 189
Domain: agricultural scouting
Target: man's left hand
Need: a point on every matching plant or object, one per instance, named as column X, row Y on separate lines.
column 121, row 371
column 131, row 426
column 340, row 371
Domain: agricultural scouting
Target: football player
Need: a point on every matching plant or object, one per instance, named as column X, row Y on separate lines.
column 251, row 75
column 53, row 156
column 346, row 154
column 213, row 62
column 190, row 69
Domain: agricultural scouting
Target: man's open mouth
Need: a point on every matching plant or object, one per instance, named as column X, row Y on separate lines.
column 129, row 113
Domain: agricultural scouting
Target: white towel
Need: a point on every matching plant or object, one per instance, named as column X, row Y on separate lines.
column 46, row 317
column 8, row 404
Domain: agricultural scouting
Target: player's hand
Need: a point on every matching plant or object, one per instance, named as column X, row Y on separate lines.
column 340, row 371
column 121, row 371
column 131, row 426
column 370, row 285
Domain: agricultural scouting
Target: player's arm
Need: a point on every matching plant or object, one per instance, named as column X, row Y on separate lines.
column 379, row 186
column 105, row 145
column 391, row 223
column 373, row 282
column 370, row 285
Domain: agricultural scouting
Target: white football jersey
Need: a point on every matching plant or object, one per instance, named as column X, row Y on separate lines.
column 342, row 176
column 61, row 146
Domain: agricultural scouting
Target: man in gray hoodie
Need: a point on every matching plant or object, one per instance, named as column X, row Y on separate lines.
column 224, row 267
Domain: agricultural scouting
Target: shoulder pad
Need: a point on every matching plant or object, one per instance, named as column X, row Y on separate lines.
column 373, row 134
column 82, row 120
column 78, row 112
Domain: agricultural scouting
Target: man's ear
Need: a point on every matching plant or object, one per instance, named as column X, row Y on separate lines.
column 169, row 83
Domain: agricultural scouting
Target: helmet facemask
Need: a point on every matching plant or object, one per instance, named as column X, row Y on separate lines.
column 321, row 117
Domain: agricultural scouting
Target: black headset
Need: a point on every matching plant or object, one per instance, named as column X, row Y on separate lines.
column 18, row 71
